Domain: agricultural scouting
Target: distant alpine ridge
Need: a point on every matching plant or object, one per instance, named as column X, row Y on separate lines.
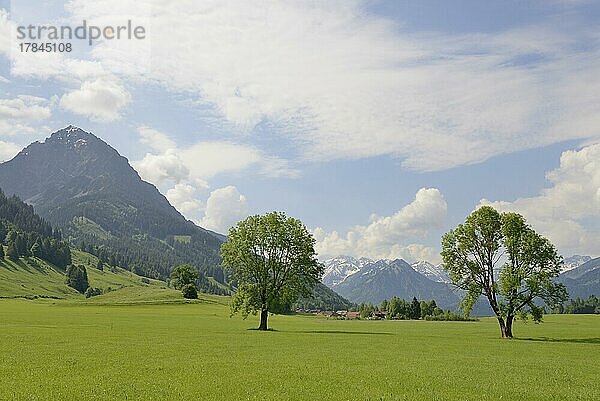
column 574, row 261
column 365, row 280
column 583, row 280
column 432, row 272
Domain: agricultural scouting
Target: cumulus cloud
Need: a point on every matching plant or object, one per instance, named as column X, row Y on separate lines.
column 391, row 236
column 202, row 160
column 8, row 150
column 158, row 168
column 100, row 100
column 184, row 197
column 568, row 212
column 224, row 208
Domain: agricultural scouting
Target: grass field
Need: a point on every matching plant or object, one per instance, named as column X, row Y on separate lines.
column 163, row 350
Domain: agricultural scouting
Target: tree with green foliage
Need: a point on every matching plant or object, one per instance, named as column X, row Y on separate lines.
column 582, row 306
column 36, row 250
column 77, row 278
column 1, row 251
column 366, row 310
column 189, row 291
column 415, row 309
column 273, row 260
column 183, row 275
column 398, row 309
column 92, row 292
column 12, row 252
column 502, row 258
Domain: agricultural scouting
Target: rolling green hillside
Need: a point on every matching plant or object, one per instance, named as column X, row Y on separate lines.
column 32, row 277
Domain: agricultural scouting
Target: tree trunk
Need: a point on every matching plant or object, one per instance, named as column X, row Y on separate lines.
column 508, row 327
column 502, row 326
column 263, row 319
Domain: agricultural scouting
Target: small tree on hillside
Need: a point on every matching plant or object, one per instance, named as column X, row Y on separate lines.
column 77, row 278
column 273, row 260
column 189, row 291
column 183, row 275
column 12, row 252
column 500, row 257
column 36, row 249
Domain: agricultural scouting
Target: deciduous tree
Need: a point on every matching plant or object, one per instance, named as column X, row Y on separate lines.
column 272, row 258
column 502, row 258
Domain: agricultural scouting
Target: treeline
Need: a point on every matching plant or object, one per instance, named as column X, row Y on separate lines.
column 26, row 234
column 148, row 256
column 401, row 309
column 321, row 298
column 581, row 306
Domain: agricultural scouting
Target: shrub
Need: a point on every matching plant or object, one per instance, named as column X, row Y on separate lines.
column 92, row 292
column 189, row 291
column 77, row 278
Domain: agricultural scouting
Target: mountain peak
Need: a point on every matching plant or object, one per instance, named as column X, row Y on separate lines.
column 72, row 135
column 75, row 180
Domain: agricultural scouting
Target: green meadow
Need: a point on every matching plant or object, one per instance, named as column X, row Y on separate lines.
column 146, row 344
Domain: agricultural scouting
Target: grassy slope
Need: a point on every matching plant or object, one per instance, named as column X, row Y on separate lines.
column 152, row 295
column 31, row 277
column 68, row 350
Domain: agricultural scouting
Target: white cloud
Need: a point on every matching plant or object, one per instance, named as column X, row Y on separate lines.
column 202, row 160
column 25, row 108
column 209, row 158
column 568, row 212
column 155, row 139
column 392, row 236
column 100, row 100
column 346, row 84
column 224, row 208
column 8, row 150
column 5, row 32
column 13, row 128
column 23, row 115
column 184, row 197
column 163, row 167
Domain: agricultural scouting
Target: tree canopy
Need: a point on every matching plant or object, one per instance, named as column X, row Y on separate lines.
column 183, row 275
column 77, row 278
column 502, row 258
column 273, row 261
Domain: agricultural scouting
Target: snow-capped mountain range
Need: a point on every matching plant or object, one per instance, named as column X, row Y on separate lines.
column 574, row 261
column 367, row 280
column 340, row 268
column 432, row 272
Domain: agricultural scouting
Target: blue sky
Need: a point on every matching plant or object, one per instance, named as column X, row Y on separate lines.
column 380, row 124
